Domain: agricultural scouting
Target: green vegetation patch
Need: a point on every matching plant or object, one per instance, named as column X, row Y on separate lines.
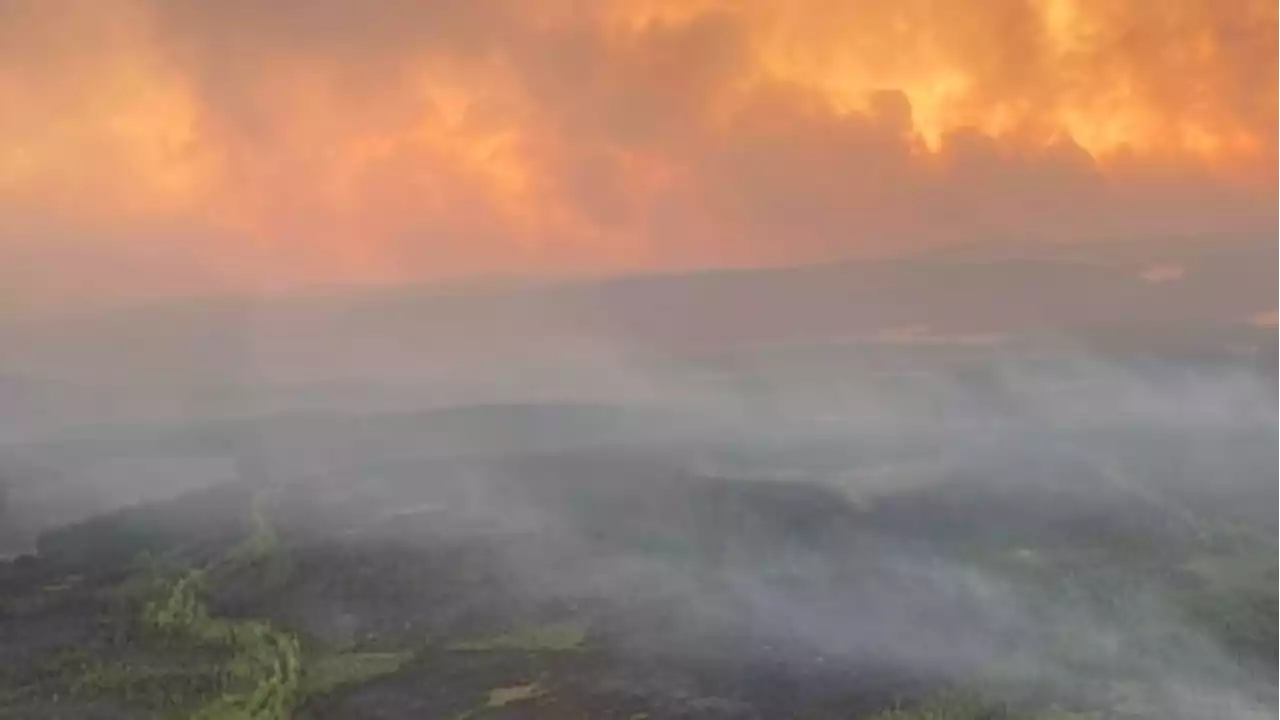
column 328, row 672
column 561, row 636
column 504, row 696
column 262, row 680
column 219, row 668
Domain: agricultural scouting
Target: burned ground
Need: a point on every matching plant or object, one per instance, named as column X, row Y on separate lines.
column 612, row 582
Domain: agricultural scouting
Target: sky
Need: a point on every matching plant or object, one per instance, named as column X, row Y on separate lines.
column 179, row 146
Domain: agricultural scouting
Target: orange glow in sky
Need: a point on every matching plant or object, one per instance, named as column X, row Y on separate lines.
column 333, row 140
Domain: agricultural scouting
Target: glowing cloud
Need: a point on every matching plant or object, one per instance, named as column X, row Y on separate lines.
column 276, row 142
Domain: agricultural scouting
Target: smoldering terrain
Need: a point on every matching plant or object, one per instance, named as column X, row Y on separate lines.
column 258, row 518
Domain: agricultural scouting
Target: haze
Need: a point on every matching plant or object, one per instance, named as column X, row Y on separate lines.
column 488, row 359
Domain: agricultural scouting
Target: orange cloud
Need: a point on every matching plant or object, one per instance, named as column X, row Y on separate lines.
column 331, row 140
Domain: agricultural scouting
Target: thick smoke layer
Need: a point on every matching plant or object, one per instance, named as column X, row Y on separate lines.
column 180, row 146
